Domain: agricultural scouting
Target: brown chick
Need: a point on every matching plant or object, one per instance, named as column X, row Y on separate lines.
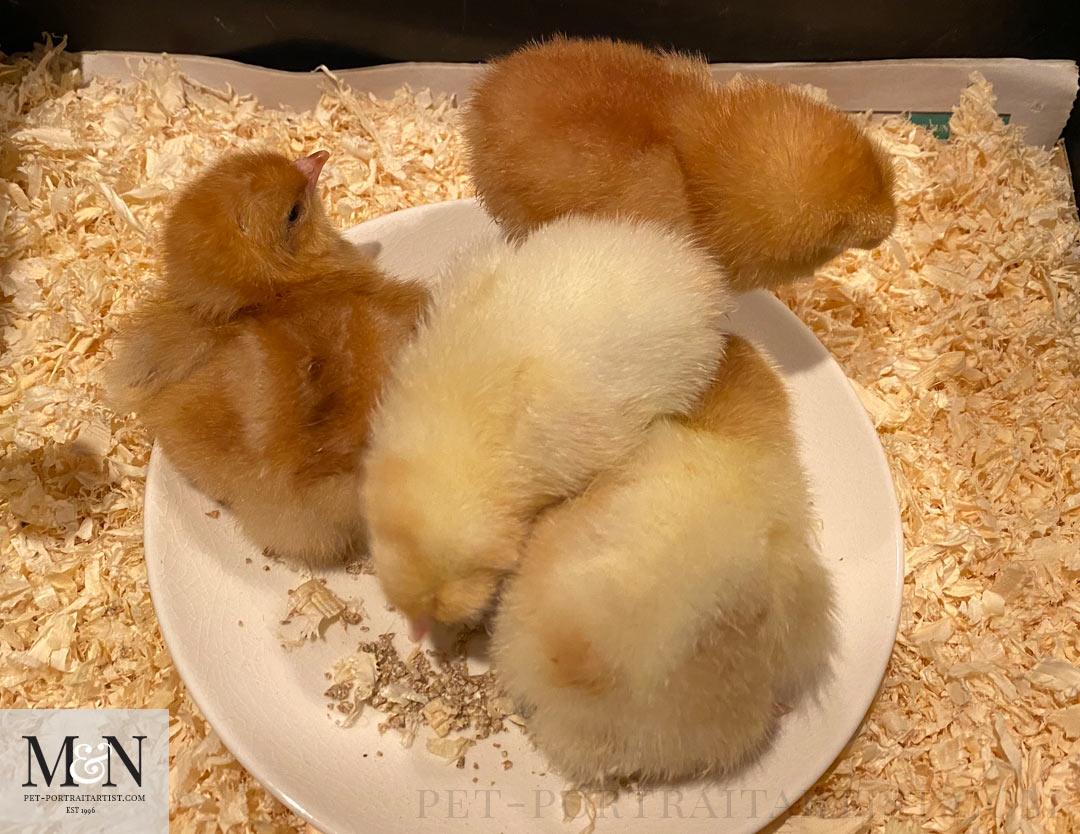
column 257, row 365
column 770, row 181
column 248, row 228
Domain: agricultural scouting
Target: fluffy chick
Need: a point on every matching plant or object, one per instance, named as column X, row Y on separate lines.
column 258, row 363
column 770, row 181
column 659, row 618
column 539, row 366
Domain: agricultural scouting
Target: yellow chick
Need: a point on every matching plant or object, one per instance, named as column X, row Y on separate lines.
column 539, row 366
column 771, row 182
column 659, row 618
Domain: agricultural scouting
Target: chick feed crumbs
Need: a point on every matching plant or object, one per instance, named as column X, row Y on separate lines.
column 960, row 335
column 413, row 692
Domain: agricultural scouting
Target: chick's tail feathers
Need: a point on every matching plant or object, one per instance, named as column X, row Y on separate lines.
column 158, row 347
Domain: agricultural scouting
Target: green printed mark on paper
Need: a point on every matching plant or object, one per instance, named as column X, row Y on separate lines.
column 938, row 123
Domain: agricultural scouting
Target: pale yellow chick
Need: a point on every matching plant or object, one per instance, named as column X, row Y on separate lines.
column 659, row 619
column 539, row 366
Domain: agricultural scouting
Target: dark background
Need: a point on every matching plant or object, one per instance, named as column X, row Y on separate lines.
column 341, row 34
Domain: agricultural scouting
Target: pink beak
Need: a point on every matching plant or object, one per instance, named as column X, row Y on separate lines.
column 418, row 628
column 311, row 167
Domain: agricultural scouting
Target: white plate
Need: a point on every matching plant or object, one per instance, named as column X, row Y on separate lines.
column 266, row 704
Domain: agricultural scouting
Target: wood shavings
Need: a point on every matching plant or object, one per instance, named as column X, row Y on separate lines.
column 816, row 825
column 1057, row 676
column 451, row 749
column 961, row 337
column 902, row 827
column 313, row 608
column 575, row 801
column 1068, row 720
column 572, row 803
column 438, row 716
column 960, row 334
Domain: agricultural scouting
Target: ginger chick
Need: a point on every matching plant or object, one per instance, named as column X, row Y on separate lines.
column 658, row 619
column 771, row 182
column 539, row 366
column 257, row 363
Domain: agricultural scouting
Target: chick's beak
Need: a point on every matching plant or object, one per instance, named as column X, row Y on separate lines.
column 419, row 627
column 311, row 167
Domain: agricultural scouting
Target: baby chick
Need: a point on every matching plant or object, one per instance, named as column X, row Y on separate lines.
column 539, row 366
column 658, row 619
column 258, row 363
column 770, row 181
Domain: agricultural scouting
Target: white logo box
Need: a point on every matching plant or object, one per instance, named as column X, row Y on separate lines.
column 84, row 770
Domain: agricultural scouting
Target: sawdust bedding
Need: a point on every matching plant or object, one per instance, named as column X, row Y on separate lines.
column 960, row 335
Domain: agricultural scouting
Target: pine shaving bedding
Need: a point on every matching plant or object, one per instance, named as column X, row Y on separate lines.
column 960, row 335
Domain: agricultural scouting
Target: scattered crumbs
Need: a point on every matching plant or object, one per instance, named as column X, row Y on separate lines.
column 476, row 765
column 214, row 514
column 437, row 691
column 247, row 560
column 240, row 623
column 353, row 679
column 475, row 779
column 351, row 617
column 360, row 566
column 339, row 691
column 266, row 567
column 505, row 754
column 378, row 752
column 507, row 764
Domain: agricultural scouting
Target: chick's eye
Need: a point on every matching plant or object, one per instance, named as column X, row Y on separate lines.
column 294, row 213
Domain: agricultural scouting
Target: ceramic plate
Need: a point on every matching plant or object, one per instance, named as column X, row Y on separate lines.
column 267, row 706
